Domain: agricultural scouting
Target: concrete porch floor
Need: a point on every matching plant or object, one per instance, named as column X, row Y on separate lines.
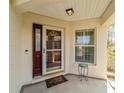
column 73, row 85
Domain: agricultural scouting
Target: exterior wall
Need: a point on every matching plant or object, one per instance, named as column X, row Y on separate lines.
column 98, row 70
column 21, row 39
column 30, row 18
column 14, row 47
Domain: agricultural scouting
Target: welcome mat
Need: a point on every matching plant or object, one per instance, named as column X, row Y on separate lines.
column 55, row 81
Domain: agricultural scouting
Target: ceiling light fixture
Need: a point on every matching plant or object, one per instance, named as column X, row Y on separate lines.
column 70, row 11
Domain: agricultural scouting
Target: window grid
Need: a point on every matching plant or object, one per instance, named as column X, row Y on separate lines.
column 84, row 45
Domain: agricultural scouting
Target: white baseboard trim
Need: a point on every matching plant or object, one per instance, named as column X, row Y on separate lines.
column 88, row 76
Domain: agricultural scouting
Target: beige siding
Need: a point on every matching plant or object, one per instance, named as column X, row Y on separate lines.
column 21, row 39
column 30, row 18
column 98, row 70
column 15, row 47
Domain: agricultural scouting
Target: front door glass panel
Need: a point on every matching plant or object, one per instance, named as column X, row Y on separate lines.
column 53, row 50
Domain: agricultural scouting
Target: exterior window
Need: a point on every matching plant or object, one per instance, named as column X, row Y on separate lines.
column 85, row 45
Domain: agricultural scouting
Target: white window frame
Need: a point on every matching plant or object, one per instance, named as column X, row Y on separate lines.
column 94, row 45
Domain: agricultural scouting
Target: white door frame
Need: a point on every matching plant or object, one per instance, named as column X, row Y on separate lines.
column 45, row 27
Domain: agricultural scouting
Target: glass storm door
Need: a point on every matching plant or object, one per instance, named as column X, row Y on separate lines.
column 52, row 49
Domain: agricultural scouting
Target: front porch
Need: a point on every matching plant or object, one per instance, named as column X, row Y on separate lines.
column 58, row 43
column 73, row 85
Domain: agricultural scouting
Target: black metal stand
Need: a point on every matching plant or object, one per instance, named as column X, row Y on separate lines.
column 85, row 69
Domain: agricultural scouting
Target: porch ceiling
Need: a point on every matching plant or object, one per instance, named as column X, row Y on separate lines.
column 83, row 9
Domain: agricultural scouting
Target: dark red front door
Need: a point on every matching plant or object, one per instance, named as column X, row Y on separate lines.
column 37, row 50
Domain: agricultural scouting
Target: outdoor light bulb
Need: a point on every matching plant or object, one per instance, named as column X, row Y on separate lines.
column 70, row 11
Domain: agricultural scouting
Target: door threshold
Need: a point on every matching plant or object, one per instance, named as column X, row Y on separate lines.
column 44, row 77
column 37, row 79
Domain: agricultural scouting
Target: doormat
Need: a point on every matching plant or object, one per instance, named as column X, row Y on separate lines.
column 55, row 81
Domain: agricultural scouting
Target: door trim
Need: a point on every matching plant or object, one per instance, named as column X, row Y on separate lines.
column 44, row 47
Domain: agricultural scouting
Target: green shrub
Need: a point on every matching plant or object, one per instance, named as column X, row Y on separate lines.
column 110, row 57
